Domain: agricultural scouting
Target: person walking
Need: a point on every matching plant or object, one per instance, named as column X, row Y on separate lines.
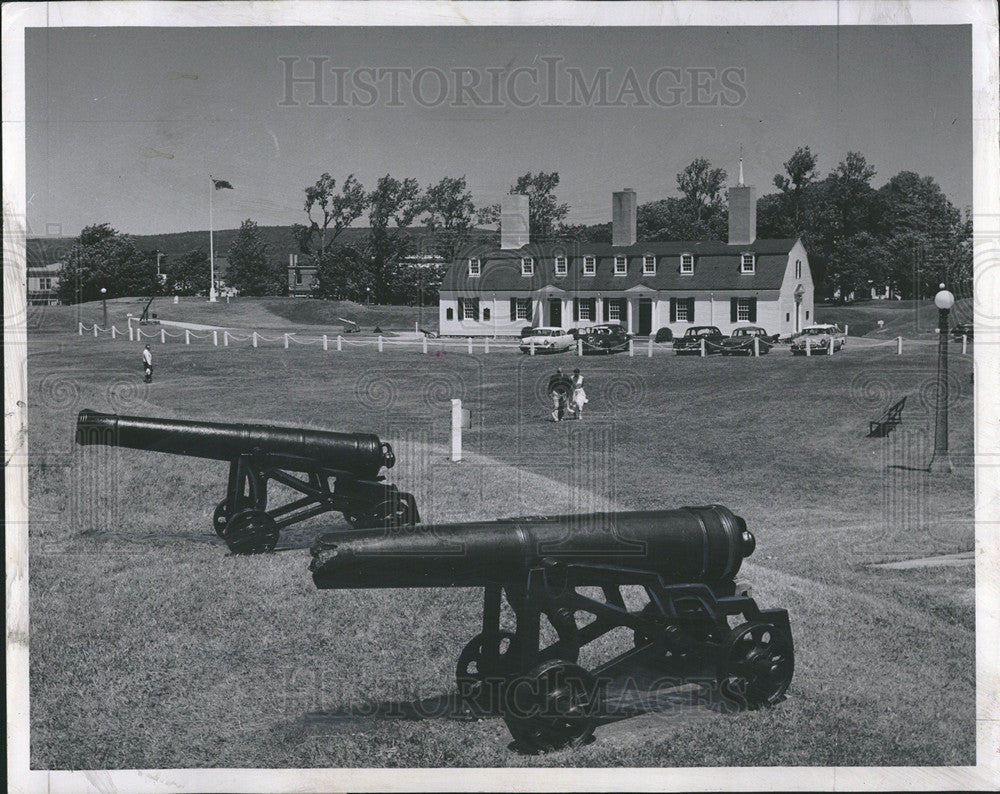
column 579, row 396
column 147, row 365
column 559, row 390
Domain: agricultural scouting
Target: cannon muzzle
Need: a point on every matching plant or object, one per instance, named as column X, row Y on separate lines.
column 362, row 454
column 691, row 544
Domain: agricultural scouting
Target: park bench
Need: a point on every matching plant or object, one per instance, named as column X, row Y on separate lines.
column 882, row 426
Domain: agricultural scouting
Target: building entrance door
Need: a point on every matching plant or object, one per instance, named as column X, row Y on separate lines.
column 645, row 327
column 555, row 312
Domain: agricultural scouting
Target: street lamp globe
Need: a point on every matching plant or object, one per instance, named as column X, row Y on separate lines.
column 944, row 300
column 103, row 290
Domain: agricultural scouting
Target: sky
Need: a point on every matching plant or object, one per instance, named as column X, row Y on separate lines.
column 125, row 125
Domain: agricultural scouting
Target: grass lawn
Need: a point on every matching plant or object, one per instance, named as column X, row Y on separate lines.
column 151, row 647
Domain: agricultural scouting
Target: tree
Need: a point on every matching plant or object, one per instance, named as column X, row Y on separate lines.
column 102, row 257
column 800, row 173
column 397, row 201
column 341, row 274
column 250, row 271
column 336, row 211
column 702, row 187
column 448, row 215
column 188, row 274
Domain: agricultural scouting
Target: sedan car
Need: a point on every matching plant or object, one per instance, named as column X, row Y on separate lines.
column 605, row 339
column 691, row 341
column 740, row 342
column 818, row 337
column 545, row 340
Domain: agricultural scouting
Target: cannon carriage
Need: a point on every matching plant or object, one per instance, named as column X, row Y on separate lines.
column 696, row 625
column 261, row 454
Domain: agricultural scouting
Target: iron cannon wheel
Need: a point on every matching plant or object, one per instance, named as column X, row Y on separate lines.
column 756, row 665
column 251, row 532
column 479, row 686
column 552, row 706
column 221, row 515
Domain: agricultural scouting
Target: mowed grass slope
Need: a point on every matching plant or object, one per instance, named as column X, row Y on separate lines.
column 152, row 647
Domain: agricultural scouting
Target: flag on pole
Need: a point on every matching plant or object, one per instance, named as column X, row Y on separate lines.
column 222, row 183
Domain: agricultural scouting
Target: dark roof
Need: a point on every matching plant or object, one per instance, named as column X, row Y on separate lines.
column 716, row 266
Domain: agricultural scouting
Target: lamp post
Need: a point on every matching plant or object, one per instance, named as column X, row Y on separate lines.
column 368, row 292
column 104, row 302
column 940, row 461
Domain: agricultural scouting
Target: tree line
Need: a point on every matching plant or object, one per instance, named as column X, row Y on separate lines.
column 904, row 237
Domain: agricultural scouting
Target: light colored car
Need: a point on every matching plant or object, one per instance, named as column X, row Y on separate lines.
column 819, row 337
column 546, row 340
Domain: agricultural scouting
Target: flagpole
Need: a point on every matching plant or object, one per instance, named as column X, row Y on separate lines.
column 211, row 243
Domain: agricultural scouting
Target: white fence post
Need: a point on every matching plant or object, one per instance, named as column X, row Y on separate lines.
column 425, row 344
column 702, row 346
column 899, row 345
column 965, row 342
column 339, row 343
column 187, row 336
column 286, row 341
column 631, row 348
column 809, row 347
column 756, row 347
column 846, row 328
column 95, row 330
column 649, row 353
column 215, row 338
column 380, row 343
column 486, row 345
column 163, row 336
column 470, row 345
column 138, row 334
column 829, row 349
column 225, row 338
column 531, row 345
column 579, row 347
column 113, row 329
column 81, row 328
column 254, row 338
column 131, row 333
column 326, row 346
column 456, row 430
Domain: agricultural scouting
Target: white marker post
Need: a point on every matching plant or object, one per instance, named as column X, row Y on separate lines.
column 829, row 350
column 81, row 328
column 531, row 345
column 380, row 343
column 286, row 341
column 486, row 345
column 702, row 347
column 254, row 337
column 899, row 345
column 225, row 338
column 340, row 343
column 649, row 354
column 215, row 338
column 424, row 344
column 809, row 347
column 756, row 347
column 95, row 330
column 131, row 333
column 965, row 342
column 631, row 348
column 113, row 330
column 187, row 336
column 456, row 430
column 579, row 347
column 325, row 345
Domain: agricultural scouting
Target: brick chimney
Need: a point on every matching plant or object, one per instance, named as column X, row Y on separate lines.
column 514, row 222
column 742, row 213
column 623, row 217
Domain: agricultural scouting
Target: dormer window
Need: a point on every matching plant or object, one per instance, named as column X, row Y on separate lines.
column 649, row 265
column 748, row 263
column 475, row 267
column 527, row 266
column 687, row 264
column 561, row 266
column 589, row 265
column 621, row 265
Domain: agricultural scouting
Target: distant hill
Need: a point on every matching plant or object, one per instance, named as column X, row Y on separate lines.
column 279, row 240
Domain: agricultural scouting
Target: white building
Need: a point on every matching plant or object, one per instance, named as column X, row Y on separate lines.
column 644, row 286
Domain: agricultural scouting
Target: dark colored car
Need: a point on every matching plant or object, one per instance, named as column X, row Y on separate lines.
column 740, row 342
column 605, row 339
column 691, row 341
column 960, row 330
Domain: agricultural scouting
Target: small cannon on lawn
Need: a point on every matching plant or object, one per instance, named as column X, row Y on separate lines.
column 685, row 561
column 258, row 454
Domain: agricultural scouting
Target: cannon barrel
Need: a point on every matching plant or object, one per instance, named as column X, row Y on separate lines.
column 691, row 544
column 362, row 454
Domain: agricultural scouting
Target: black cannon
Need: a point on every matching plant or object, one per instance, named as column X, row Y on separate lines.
column 260, row 453
column 684, row 562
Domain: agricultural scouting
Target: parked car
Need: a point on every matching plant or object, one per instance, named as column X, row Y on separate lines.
column 691, row 341
column 819, row 337
column 605, row 339
column 740, row 341
column 960, row 330
column 546, row 340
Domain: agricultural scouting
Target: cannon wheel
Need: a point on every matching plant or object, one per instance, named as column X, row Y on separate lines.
column 221, row 515
column 251, row 532
column 554, row 705
column 471, row 675
column 756, row 665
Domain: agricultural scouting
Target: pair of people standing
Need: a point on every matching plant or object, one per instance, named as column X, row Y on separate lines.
column 568, row 396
